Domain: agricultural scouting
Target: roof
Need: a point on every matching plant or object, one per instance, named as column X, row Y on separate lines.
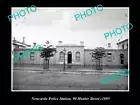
column 107, row 49
column 15, row 42
column 70, row 45
column 122, row 41
column 26, row 49
column 30, row 49
column 19, row 45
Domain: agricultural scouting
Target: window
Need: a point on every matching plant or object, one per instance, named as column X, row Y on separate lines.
column 16, row 56
column 109, row 56
column 77, row 55
column 122, row 46
column 61, row 55
column 32, row 56
column 93, row 57
column 21, row 53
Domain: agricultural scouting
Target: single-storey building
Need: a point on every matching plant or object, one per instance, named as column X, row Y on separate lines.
column 75, row 55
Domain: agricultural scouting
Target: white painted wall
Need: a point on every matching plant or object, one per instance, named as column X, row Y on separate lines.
column 73, row 49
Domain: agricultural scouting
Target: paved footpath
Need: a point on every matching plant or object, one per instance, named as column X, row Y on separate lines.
column 70, row 71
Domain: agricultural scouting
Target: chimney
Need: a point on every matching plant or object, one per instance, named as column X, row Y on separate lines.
column 82, row 43
column 23, row 40
column 59, row 42
column 14, row 40
column 109, row 45
column 34, row 44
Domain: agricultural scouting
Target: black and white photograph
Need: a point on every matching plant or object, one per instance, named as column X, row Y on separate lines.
column 70, row 48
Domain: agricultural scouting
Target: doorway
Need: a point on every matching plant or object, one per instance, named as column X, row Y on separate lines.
column 69, row 57
column 122, row 58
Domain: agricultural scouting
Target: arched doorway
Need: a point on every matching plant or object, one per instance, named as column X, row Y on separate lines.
column 69, row 57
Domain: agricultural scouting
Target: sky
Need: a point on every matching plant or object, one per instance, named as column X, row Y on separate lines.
column 59, row 24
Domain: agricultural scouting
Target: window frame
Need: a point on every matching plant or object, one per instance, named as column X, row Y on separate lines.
column 109, row 57
column 77, row 56
column 61, row 55
column 122, row 46
column 32, row 55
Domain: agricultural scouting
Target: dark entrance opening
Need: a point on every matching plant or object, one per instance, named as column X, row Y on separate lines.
column 122, row 58
column 69, row 57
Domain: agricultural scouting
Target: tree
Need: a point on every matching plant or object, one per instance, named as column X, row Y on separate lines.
column 98, row 53
column 47, row 53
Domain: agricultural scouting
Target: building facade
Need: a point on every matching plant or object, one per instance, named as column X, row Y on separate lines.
column 17, row 44
column 123, row 44
column 75, row 55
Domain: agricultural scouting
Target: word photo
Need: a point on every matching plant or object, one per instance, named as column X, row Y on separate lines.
column 115, row 76
column 22, row 12
column 88, row 12
column 119, row 31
